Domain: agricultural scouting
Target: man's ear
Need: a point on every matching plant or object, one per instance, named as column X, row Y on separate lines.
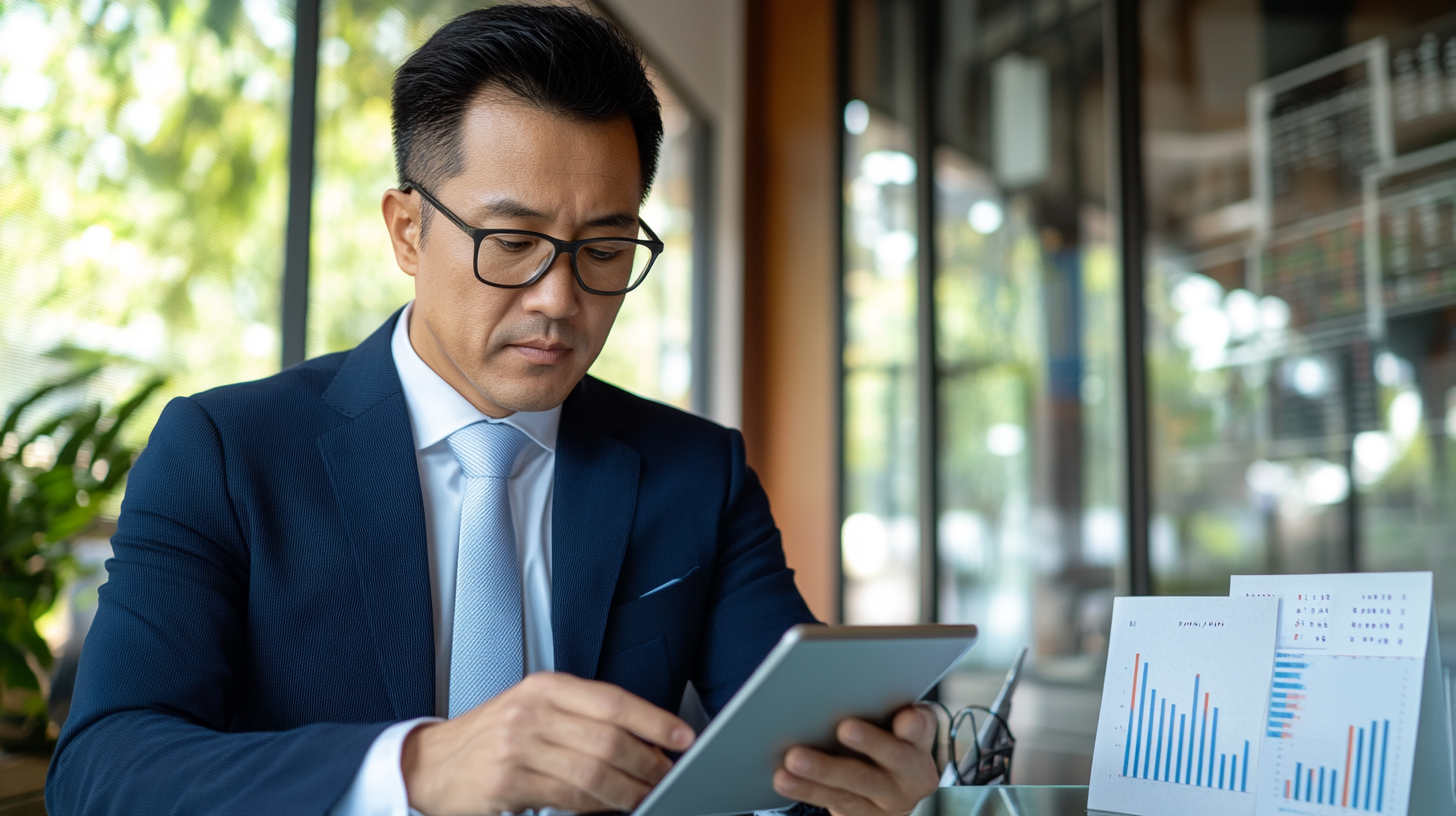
column 402, row 220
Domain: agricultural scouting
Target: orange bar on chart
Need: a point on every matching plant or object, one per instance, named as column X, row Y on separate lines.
column 1136, row 661
column 1349, row 745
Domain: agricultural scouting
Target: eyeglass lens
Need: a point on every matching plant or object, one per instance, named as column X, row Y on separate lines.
column 607, row 265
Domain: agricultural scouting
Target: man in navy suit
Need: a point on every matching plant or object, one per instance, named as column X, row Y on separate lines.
column 446, row 571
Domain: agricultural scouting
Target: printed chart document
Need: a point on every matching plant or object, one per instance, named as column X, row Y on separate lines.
column 1184, row 706
column 1345, row 701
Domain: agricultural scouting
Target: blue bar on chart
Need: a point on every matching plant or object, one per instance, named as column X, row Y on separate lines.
column 1287, row 697
column 1165, row 745
column 1363, row 771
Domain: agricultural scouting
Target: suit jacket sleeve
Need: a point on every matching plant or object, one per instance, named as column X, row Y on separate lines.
column 753, row 596
column 163, row 667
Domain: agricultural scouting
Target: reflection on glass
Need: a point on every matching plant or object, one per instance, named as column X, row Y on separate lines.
column 1302, row 187
column 142, row 189
column 354, row 283
column 879, row 538
column 1011, row 800
column 992, row 345
column 1031, row 528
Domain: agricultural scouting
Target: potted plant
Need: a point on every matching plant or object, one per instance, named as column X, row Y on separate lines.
column 56, row 476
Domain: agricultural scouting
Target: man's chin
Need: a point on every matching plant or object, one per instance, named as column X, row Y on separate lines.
column 532, row 393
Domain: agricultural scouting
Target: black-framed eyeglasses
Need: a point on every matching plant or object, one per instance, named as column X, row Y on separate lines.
column 515, row 259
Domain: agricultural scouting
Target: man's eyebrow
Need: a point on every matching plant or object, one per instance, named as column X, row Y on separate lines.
column 619, row 220
column 511, row 208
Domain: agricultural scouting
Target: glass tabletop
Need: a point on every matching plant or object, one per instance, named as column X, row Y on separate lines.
column 1008, row 800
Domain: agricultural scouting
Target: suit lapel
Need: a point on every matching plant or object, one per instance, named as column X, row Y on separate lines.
column 371, row 461
column 594, row 501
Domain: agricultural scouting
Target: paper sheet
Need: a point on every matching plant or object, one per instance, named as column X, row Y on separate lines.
column 1183, row 706
column 1346, row 693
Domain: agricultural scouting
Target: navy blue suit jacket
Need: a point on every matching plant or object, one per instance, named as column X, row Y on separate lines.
column 268, row 611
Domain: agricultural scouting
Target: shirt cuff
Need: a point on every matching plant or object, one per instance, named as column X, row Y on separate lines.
column 378, row 788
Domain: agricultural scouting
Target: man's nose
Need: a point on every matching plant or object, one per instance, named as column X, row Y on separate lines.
column 556, row 294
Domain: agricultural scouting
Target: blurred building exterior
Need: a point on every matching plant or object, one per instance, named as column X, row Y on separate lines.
column 901, row 236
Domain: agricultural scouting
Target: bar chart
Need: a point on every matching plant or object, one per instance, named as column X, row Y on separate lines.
column 1333, row 746
column 1184, row 706
column 1172, row 731
column 1365, row 763
column 1367, row 750
column 1345, row 696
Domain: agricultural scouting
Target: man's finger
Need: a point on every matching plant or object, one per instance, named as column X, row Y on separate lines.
column 916, row 725
column 841, row 802
column 886, row 749
column 848, row 774
column 604, row 701
column 611, row 743
column 593, row 776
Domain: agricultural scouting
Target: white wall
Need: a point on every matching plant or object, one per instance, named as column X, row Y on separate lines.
column 699, row 45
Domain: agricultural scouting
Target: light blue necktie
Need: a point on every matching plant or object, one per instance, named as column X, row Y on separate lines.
column 487, row 655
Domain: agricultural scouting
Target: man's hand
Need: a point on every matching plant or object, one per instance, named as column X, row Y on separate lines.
column 894, row 772
column 553, row 740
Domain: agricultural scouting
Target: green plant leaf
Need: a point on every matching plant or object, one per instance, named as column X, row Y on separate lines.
column 32, row 642
column 12, row 419
column 48, row 428
column 42, row 513
column 74, row 520
column 123, row 412
column 83, row 424
column 14, row 670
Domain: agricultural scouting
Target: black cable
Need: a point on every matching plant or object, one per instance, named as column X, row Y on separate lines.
column 999, row 758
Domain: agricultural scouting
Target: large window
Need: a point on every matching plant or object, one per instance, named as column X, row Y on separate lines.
column 881, row 535
column 1300, row 167
column 144, row 194
column 1286, row 176
column 1302, row 271
column 143, row 178
column 1026, row 316
column 983, row 420
column 983, row 487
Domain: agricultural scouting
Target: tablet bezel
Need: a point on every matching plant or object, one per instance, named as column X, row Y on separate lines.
column 805, row 633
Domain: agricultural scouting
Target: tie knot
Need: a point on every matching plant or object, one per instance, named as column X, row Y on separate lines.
column 487, row 449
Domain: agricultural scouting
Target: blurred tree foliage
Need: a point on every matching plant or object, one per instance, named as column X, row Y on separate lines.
column 143, row 176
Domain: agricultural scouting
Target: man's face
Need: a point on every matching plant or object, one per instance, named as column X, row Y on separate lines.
column 508, row 350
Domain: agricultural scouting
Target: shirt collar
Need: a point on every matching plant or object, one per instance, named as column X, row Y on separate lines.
column 437, row 410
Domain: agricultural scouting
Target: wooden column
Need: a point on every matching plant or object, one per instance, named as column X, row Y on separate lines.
column 791, row 291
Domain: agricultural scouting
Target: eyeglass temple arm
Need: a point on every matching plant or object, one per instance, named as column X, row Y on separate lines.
column 651, row 234
column 410, row 185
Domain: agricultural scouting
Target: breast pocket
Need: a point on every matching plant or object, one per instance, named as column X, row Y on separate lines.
column 649, row 641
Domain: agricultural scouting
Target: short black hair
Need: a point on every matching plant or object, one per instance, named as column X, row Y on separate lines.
column 558, row 58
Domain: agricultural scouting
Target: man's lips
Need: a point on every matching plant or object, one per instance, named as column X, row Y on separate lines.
column 542, row 353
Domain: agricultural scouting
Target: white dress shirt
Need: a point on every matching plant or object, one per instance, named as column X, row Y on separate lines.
column 437, row 410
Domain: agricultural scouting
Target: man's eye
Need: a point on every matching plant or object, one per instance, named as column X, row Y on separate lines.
column 513, row 245
column 602, row 254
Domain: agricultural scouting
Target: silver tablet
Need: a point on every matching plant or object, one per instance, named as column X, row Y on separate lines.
column 815, row 677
